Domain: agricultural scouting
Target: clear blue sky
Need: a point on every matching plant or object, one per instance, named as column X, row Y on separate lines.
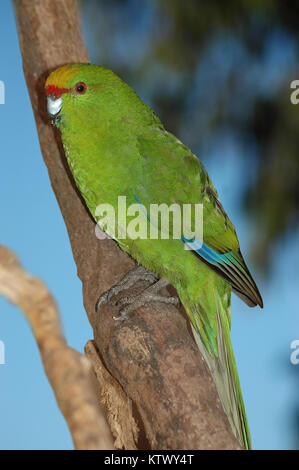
column 31, row 225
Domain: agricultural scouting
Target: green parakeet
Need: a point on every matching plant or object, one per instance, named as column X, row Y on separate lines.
column 116, row 146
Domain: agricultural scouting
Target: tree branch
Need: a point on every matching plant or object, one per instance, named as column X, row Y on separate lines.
column 69, row 373
column 151, row 355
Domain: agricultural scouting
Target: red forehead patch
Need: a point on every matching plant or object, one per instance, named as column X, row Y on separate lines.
column 55, row 90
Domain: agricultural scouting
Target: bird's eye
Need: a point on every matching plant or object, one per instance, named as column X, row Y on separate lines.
column 81, row 88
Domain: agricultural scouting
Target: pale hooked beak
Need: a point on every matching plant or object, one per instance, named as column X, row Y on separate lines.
column 54, row 107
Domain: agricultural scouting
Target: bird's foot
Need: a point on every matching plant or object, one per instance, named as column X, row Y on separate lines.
column 130, row 303
column 130, row 279
column 150, row 294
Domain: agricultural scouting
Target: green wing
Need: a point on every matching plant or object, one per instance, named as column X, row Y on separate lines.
column 173, row 174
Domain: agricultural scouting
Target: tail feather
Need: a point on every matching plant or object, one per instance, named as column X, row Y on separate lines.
column 223, row 369
column 224, row 372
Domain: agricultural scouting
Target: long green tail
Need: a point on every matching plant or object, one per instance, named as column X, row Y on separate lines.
column 223, row 368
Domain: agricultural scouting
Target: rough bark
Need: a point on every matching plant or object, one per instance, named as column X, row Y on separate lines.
column 151, row 355
column 116, row 402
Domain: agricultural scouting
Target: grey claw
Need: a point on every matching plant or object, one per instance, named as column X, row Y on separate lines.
column 120, row 318
column 104, row 298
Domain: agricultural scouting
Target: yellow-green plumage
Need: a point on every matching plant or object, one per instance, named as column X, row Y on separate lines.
column 116, row 146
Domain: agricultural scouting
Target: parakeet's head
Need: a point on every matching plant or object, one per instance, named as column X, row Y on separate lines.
column 86, row 92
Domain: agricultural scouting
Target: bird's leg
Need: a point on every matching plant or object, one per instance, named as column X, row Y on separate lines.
column 133, row 302
column 131, row 278
column 150, row 294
